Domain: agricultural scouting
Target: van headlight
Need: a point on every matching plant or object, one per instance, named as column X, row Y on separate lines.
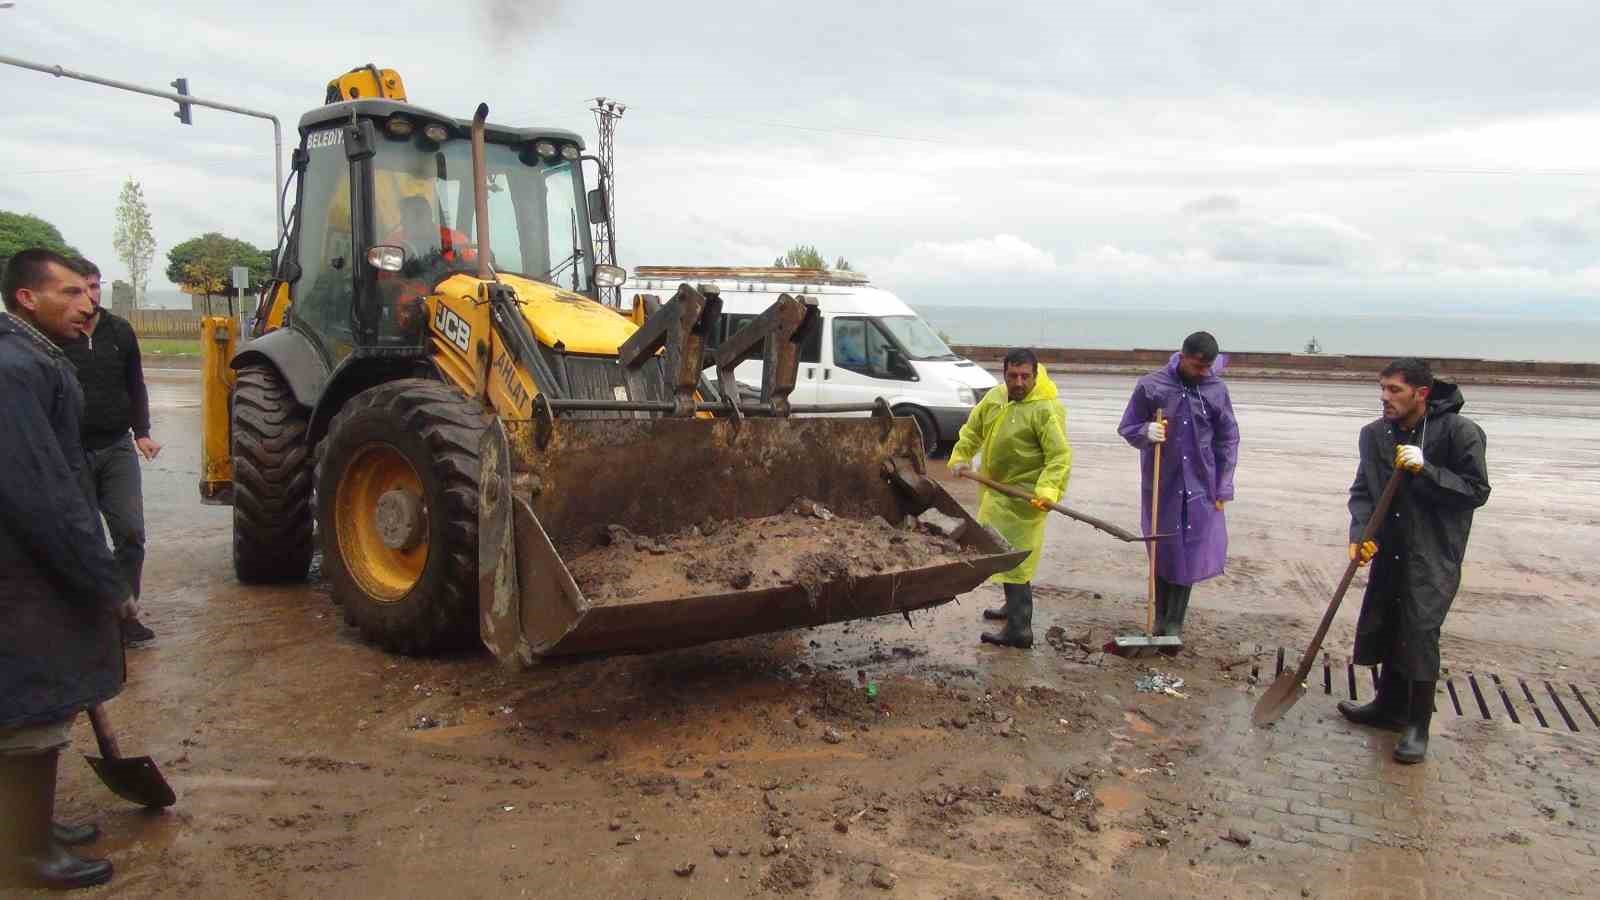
column 970, row 396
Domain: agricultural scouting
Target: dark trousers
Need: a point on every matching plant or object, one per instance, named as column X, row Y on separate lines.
column 114, row 486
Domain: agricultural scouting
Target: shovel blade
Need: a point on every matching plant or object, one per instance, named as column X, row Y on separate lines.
column 1284, row 693
column 1135, row 646
column 135, row 779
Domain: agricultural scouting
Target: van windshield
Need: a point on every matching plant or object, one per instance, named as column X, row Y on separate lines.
column 917, row 337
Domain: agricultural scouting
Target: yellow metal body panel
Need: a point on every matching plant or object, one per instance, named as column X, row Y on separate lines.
column 367, row 82
column 583, row 325
column 218, row 337
column 459, row 334
column 473, row 357
column 278, row 311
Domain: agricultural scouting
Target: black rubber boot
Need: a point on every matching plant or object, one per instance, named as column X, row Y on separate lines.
column 75, row 835
column 135, row 633
column 1413, row 746
column 1161, row 607
column 1019, row 625
column 33, row 856
column 1002, row 612
column 1387, row 710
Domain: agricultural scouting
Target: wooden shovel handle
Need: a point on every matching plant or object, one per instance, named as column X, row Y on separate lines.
column 1155, row 526
column 1367, row 534
column 103, row 735
column 1116, row 531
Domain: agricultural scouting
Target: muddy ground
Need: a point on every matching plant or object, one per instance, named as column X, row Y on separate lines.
column 860, row 759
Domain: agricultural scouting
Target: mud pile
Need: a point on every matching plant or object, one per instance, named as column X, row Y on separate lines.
column 807, row 545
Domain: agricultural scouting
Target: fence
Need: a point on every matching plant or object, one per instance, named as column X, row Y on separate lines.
column 172, row 323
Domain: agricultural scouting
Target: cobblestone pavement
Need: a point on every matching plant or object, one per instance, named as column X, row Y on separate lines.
column 1500, row 808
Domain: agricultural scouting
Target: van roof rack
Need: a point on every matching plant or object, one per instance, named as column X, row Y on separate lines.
column 749, row 273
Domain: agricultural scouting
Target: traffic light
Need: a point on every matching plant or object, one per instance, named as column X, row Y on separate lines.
column 182, row 86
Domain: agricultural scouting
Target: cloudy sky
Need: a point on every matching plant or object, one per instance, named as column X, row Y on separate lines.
column 1292, row 155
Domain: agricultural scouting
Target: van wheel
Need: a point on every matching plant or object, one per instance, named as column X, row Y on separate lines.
column 930, row 430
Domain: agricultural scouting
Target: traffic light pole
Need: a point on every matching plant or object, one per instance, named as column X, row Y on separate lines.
column 277, row 127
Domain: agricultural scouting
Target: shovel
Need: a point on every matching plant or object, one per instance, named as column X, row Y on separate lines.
column 135, row 779
column 1286, row 691
column 1118, row 532
column 1133, row 646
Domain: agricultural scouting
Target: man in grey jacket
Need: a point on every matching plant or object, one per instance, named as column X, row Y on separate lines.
column 61, row 597
column 1420, row 544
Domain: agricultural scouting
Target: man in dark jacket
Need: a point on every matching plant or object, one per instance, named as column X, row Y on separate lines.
column 61, row 595
column 1419, row 547
column 115, row 402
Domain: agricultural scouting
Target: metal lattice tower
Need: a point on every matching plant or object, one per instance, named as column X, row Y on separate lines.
column 606, row 113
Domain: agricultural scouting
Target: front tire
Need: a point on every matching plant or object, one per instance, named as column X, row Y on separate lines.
column 272, row 477
column 929, row 428
column 397, row 509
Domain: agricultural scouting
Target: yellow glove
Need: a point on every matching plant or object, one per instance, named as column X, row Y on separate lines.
column 1363, row 552
column 1409, row 457
column 1220, row 504
column 1041, row 504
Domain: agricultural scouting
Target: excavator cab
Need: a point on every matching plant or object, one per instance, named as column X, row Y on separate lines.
column 487, row 453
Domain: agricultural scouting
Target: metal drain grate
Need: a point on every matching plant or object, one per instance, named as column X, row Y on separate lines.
column 1526, row 702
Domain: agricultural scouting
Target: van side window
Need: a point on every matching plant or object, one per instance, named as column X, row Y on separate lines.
column 850, row 343
column 860, row 345
column 810, row 351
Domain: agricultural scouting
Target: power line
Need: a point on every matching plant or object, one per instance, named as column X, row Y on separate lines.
column 919, row 139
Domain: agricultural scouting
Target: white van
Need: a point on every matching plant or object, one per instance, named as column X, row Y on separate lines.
column 871, row 344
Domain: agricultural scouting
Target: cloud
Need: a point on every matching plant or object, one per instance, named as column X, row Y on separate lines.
column 1000, row 255
column 1302, row 239
column 1213, row 204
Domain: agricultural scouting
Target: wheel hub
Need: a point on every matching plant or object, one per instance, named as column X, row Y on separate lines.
column 401, row 519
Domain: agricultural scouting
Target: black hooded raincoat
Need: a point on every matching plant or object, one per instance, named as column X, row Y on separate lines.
column 60, row 593
column 1424, row 538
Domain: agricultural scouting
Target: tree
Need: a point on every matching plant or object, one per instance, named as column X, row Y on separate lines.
column 805, row 256
column 204, row 265
column 134, row 238
column 21, row 231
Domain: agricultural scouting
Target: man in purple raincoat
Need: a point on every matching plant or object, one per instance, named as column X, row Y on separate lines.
column 1200, row 441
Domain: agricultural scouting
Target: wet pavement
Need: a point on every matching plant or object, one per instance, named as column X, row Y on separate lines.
column 308, row 762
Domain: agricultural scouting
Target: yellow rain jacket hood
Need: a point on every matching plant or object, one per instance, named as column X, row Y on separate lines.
column 1022, row 444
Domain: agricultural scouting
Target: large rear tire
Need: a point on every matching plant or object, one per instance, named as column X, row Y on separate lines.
column 397, row 490
column 272, row 477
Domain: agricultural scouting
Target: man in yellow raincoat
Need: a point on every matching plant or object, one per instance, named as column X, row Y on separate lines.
column 1018, row 434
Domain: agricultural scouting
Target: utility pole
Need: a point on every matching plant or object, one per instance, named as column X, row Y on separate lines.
column 184, row 102
column 606, row 113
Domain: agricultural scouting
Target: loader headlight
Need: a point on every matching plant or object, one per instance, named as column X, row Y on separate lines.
column 436, row 133
column 569, row 152
column 386, row 259
column 609, row 276
column 545, row 149
column 398, row 126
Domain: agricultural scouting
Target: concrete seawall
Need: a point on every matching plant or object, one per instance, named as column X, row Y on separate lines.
column 1307, row 365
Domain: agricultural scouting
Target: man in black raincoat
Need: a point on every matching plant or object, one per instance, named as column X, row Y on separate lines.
column 1419, row 546
column 62, row 597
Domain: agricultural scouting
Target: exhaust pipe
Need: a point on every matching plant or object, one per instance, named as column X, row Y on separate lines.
column 480, row 190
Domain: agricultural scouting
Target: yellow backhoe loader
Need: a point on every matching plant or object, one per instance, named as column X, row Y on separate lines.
column 457, row 421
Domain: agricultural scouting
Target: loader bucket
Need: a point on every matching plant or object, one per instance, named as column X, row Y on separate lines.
column 556, row 492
